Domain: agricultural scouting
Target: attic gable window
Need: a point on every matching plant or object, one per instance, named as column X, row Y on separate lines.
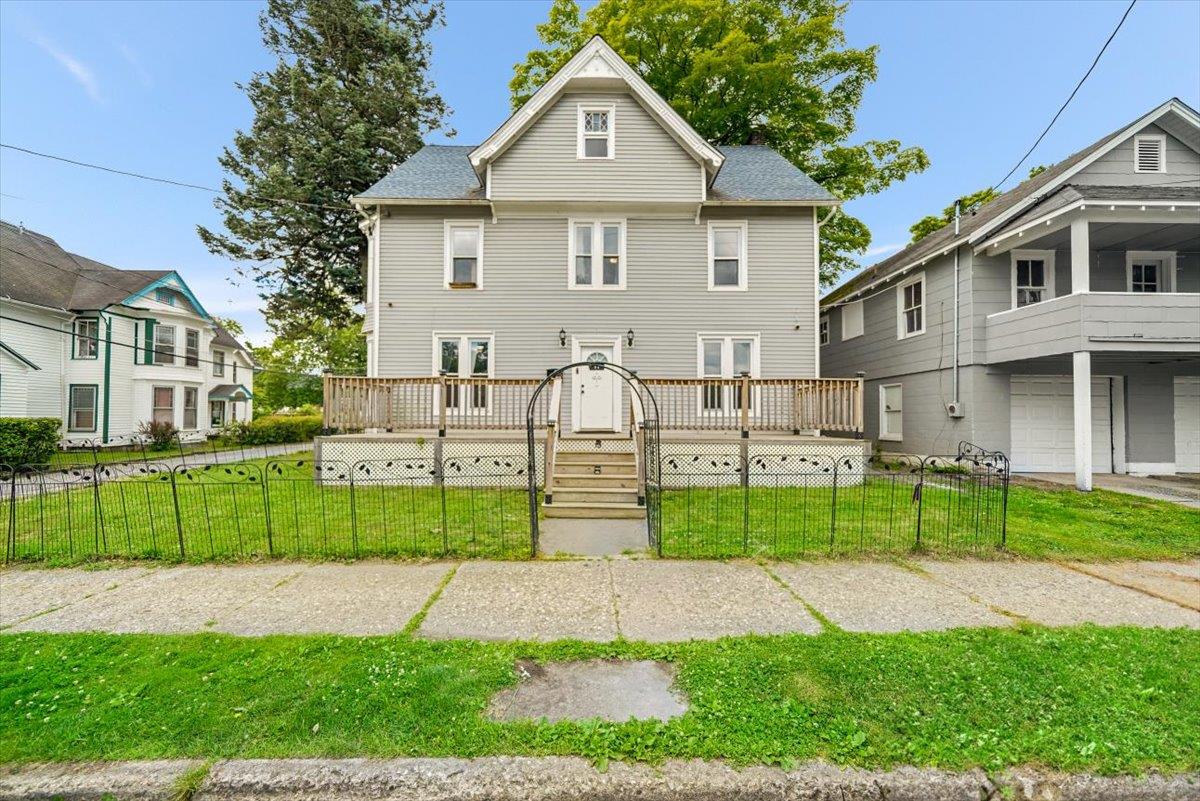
column 595, row 136
column 1150, row 153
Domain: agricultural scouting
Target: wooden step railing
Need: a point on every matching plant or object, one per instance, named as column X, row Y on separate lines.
column 439, row 403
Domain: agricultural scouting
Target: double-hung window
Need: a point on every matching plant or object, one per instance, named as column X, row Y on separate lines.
column 191, row 347
column 727, row 269
column 219, row 363
column 464, row 254
column 164, row 344
column 87, row 338
column 216, row 413
column 725, row 357
column 81, row 412
column 824, row 330
column 910, row 302
column 597, row 254
column 464, row 356
column 163, row 405
column 1033, row 276
column 191, row 396
column 595, row 134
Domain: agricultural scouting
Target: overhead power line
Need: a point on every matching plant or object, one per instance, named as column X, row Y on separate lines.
column 1070, row 97
column 172, row 181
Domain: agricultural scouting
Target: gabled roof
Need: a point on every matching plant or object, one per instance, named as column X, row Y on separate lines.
column 1174, row 116
column 596, row 61
column 750, row 173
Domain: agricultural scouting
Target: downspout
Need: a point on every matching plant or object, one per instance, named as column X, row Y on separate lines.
column 957, row 292
column 107, row 374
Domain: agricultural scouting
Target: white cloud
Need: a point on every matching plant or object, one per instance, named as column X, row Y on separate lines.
column 135, row 62
column 882, row 250
column 76, row 68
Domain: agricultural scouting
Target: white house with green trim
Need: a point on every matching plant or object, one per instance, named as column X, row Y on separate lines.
column 106, row 349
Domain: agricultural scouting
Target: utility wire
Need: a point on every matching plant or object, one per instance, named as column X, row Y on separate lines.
column 171, row 181
column 1071, row 97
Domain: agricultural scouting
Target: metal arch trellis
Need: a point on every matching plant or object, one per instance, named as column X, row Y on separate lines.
column 651, row 453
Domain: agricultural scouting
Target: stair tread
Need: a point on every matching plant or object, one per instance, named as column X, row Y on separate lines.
column 614, row 476
column 593, row 505
column 597, row 490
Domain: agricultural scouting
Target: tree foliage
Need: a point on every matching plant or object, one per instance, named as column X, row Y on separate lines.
column 733, row 68
column 291, row 374
column 932, row 222
column 348, row 98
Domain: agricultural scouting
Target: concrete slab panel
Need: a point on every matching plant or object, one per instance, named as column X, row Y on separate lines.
column 171, row 600
column 1160, row 579
column 1056, row 596
column 525, row 601
column 603, row 689
column 360, row 599
column 588, row 537
column 26, row 592
column 870, row 596
column 675, row 601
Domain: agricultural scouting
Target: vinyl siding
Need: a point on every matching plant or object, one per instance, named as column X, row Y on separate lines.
column 25, row 392
column 526, row 300
column 649, row 165
column 1115, row 168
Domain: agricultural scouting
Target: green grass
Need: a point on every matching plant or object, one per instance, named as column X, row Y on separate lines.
column 1108, row 700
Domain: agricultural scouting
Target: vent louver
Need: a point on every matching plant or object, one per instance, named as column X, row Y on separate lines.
column 1148, row 154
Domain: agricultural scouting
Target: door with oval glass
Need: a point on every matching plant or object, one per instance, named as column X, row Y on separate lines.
column 597, row 391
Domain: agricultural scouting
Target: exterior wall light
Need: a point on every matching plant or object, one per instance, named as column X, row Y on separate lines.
column 562, row 337
column 629, row 337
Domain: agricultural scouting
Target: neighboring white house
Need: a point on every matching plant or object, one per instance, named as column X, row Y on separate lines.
column 105, row 349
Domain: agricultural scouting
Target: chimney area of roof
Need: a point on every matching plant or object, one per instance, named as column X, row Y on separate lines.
column 757, row 137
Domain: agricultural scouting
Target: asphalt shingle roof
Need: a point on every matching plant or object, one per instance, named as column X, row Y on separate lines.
column 750, row 172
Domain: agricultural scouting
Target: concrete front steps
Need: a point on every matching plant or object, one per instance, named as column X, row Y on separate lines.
column 593, row 483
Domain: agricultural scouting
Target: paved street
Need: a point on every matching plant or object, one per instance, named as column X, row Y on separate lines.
column 597, row 599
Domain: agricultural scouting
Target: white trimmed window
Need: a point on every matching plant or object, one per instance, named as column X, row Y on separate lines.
column 823, row 329
column 464, row 255
column 597, row 251
column 191, row 397
column 725, row 356
column 191, row 347
column 891, row 412
column 1150, row 153
column 164, row 344
column 727, row 267
column 464, row 356
column 910, row 307
column 852, row 320
column 1032, row 277
column 595, row 138
column 87, row 338
column 219, row 363
column 81, row 412
column 1149, row 270
column 162, row 409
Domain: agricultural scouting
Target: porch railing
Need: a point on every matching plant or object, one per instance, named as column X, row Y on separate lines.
column 439, row 403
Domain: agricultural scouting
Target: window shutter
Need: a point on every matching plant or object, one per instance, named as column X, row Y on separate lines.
column 149, row 342
column 1148, row 154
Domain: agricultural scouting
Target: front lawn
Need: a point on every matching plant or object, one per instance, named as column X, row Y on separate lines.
column 1109, row 700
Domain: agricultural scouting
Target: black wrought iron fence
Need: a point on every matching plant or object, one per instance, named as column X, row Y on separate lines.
column 470, row 506
column 794, row 505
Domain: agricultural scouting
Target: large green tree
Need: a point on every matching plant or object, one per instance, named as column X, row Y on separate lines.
column 733, row 68
column 291, row 367
column 348, row 98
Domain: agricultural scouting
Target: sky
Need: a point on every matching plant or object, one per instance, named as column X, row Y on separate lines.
column 151, row 87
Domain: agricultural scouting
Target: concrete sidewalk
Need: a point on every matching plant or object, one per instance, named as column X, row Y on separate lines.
column 596, row 599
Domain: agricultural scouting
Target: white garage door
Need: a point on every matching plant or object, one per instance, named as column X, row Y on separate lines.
column 1043, row 424
column 1187, row 424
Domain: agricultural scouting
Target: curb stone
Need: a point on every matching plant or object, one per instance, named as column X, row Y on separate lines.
column 571, row 779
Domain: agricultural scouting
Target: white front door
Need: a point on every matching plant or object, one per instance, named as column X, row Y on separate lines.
column 597, row 391
column 1187, row 424
column 1043, row 424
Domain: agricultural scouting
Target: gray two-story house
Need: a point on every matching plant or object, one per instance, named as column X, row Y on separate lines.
column 594, row 225
column 1059, row 322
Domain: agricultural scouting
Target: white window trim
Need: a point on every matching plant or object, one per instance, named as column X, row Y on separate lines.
column 578, row 346
column 1162, row 153
column 448, row 253
column 1047, row 256
column 885, row 435
column 858, row 304
column 219, row 360
column 823, row 329
column 901, row 333
column 463, row 339
column 597, row 265
column 1167, row 275
column 174, row 406
column 156, row 345
column 727, row 359
column 584, row 108
column 743, row 262
column 183, row 408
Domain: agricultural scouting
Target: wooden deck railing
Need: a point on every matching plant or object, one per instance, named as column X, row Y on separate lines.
column 741, row 404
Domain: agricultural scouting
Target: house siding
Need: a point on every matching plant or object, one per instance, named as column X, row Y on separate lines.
column 649, row 165
column 25, row 392
column 1115, row 168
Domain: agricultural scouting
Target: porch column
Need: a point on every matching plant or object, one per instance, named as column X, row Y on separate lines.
column 1083, row 420
column 1080, row 278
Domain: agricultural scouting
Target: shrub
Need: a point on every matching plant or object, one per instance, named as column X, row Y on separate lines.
column 160, row 436
column 274, row 429
column 28, row 440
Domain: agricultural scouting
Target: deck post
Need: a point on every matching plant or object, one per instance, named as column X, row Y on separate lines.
column 745, row 405
column 442, row 386
column 1082, row 390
